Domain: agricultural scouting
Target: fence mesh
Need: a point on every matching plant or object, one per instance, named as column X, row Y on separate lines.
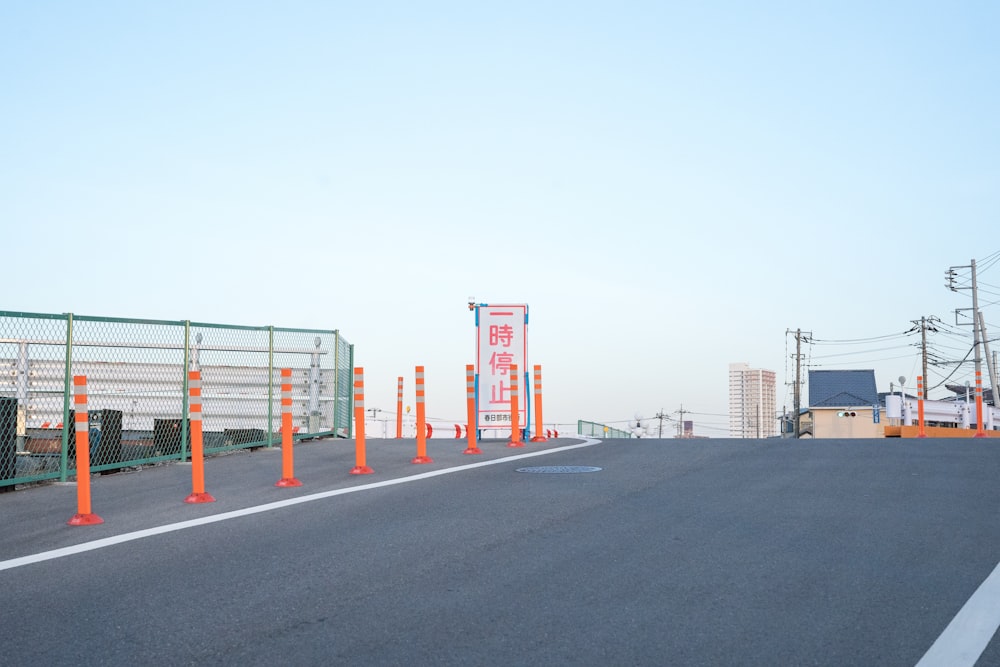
column 137, row 377
column 595, row 430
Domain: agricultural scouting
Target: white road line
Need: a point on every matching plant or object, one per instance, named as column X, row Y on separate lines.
column 169, row 528
column 968, row 634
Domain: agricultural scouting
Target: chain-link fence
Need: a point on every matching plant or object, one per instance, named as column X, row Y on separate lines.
column 595, row 430
column 138, row 389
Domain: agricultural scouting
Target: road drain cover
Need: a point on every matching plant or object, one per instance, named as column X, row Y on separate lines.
column 557, row 469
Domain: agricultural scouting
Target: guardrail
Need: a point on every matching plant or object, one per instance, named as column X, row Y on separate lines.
column 940, row 412
column 595, row 430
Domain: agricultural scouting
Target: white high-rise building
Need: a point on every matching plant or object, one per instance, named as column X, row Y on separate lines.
column 752, row 402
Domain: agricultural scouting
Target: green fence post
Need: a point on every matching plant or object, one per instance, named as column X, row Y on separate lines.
column 350, row 404
column 336, row 381
column 67, row 380
column 184, row 391
column 270, row 386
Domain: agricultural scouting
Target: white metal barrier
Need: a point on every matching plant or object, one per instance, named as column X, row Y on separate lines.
column 947, row 412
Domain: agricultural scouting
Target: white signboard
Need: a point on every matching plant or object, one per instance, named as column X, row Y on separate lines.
column 501, row 340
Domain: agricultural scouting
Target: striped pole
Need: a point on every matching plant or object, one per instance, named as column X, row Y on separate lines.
column 360, row 466
column 470, row 408
column 287, row 441
column 421, row 421
column 83, row 516
column 515, row 416
column 538, row 405
column 980, row 431
column 198, row 494
column 921, row 430
column 399, row 407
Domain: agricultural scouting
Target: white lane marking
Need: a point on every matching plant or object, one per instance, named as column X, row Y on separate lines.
column 181, row 525
column 968, row 634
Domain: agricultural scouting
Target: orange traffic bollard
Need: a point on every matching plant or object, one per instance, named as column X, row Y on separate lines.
column 83, row 516
column 287, row 439
column 360, row 465
column 538, row 405
column 423, row 429
column 198, row 494
column 921, row 430
column 399, row 408
column 515, row 416
column 470, row 404
column 980, row 430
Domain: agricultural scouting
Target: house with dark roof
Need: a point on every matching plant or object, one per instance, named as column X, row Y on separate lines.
column 842, row 404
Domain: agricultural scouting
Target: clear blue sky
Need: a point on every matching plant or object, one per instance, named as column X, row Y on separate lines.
column 669, row 186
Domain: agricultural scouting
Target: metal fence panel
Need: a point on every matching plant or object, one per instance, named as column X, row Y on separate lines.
column 138, row 389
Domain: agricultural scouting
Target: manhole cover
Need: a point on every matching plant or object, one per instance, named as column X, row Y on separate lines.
column 557, row 469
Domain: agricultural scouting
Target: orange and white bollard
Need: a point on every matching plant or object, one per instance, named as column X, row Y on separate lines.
column 83, row 516
column 921, row 430
column 980, row 429
column 287, row 436
column 198, row 494
column 470, row 408
column 515, row 415
column 360, row 464
column 399, row 408
column 423, row 430
column 537, row 376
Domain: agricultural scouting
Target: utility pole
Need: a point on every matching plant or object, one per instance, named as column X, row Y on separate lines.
column 798, row 382
column 925, row 324
column 797, row 396
column 950, row 276
column 923, row 350
column 996, row 398
column 680, row 422
column 374, row 418
column 991, row 361
column 661, row 416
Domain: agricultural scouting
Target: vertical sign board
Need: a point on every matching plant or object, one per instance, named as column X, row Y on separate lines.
column 501, row 340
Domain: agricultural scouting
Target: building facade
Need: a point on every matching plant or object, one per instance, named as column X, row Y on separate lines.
column 752, row 402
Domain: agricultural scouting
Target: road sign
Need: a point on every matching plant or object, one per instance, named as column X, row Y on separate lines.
column 501, row 340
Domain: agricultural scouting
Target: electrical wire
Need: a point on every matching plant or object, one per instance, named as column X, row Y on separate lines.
column 948, row 377
column 847, row 354
column 866, row 361
column 872, row 339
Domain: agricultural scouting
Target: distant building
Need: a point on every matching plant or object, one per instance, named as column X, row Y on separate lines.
column 752, row 402
column 842, row 404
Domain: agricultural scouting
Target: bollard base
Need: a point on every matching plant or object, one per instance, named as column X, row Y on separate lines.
column 200, row 498
column 84, row 520
column 288, row 481
column 539, row 438
column 473, row 450
column 361, row 470
column 422, row 459
column 515, row 443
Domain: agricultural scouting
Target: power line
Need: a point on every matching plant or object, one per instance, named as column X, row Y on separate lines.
column 853, row 341
column 847, row 354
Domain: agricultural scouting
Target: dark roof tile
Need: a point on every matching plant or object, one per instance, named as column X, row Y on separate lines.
column 835, row 389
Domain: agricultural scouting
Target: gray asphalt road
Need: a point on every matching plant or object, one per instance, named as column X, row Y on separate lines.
column 697, row 552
